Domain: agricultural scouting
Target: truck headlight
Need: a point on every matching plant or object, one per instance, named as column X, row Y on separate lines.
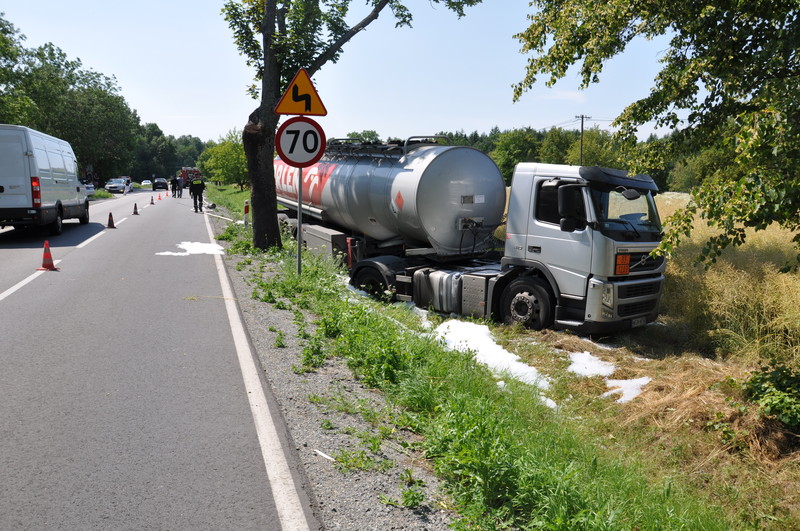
column 608, row 295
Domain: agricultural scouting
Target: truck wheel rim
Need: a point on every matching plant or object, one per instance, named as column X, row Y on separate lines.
column 524, row 307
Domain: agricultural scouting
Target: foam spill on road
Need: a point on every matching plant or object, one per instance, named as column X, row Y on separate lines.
column 194, row 248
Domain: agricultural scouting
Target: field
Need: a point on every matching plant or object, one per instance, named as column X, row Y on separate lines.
column 694, row 450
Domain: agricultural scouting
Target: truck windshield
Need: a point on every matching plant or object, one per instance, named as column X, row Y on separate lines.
column 629, row 217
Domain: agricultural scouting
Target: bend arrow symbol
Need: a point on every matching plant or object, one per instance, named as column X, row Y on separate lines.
column 296, row 96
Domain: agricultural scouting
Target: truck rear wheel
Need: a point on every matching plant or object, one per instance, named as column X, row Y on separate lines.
column 370, row 280
column 527, row 301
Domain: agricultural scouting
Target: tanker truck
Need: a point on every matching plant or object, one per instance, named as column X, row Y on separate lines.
column 423, row 223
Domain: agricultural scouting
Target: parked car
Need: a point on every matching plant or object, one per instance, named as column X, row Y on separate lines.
column 147, row 182
column 89, row 185
column 116, row 185
column 160, row 182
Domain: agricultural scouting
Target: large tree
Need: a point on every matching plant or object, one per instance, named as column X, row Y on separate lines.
column 730, row 72
column 278, row 37
column 516, row 145
column 14, row 103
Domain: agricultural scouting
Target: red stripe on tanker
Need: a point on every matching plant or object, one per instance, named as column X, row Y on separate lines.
column 314, row 179
column 450, row 198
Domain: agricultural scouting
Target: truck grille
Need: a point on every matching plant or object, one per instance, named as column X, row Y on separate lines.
column 638, row 290
column 649, row 263
column 636, row 308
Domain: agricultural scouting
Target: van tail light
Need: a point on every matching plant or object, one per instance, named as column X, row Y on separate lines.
column 36, row 192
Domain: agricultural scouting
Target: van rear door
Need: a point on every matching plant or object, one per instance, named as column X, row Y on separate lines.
column 15, row 175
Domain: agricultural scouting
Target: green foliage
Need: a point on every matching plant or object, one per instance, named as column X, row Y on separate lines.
column 731, row 67
column 514, row 146
column 155, row 154
column 599, row 149
column 776, row 389
column 368, row 135
column 351, row 460
column 556, row 145
column 45, row 90
column 225, row 161
column 280, row 339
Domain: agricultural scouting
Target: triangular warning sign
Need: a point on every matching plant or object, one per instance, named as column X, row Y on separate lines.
column 301, row 97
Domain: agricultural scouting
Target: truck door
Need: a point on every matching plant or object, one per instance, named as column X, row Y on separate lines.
column 568, row 255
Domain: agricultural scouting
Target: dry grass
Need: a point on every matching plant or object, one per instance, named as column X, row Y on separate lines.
column 691, row 424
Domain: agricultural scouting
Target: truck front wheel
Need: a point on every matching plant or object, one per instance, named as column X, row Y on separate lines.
column 527, row 301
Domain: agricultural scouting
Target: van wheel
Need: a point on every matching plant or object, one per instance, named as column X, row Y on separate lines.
column 84, row 219
column 57, row 225
column 527, row 301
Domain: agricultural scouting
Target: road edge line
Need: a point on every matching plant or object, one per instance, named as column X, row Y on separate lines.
column 284, row 491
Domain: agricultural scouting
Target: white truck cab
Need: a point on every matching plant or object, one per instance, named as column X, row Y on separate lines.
column 588, row 232
column 39, row 182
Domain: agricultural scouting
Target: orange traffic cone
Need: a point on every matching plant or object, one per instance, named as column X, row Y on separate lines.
column 135, row 210
column 167, row 192
column 159, row 197
column 110, row 221
column 47, row 259
column 151, row 200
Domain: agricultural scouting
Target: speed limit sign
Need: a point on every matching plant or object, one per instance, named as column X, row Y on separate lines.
column 300, row 142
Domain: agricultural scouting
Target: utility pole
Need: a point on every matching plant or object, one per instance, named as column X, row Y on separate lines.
column 582, row 117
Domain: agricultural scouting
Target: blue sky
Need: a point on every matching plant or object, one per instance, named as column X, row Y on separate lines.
column 177, row 66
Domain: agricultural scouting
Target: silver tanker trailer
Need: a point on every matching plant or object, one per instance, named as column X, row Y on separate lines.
column 421, row 221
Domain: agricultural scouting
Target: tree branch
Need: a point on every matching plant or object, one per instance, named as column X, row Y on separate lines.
column 328, row 54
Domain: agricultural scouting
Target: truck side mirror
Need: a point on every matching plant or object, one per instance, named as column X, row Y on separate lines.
column 568, row 207
column 568, row 224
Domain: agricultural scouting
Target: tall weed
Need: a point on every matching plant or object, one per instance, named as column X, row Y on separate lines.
column 741, row 306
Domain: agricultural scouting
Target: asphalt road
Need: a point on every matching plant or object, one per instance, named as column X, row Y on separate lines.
column 123, row 399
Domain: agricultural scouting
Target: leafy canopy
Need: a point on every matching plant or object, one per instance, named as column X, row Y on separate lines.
column 731, row 72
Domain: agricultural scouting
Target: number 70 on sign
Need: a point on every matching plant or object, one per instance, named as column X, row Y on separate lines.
column 300, row 142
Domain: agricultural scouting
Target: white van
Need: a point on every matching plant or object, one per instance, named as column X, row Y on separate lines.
column 39, row 180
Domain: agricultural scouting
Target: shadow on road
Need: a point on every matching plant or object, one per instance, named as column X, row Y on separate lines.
column 34, row 237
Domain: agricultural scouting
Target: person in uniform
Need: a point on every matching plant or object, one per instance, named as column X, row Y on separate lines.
column 196, row 189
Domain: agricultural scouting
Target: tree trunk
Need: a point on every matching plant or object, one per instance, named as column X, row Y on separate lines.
column 258, row 139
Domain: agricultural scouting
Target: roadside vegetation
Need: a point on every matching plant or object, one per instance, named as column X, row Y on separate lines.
column 711, row 443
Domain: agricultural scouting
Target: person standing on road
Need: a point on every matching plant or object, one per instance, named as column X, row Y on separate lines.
column 174, row 185
column 196, row 189
column 180, row 186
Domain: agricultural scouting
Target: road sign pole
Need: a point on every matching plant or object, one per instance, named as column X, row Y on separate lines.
column 300, row 225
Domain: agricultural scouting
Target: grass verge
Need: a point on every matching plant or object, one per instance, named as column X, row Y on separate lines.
column 507, row 460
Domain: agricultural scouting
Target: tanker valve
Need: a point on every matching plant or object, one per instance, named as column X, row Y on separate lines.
column 469, row 223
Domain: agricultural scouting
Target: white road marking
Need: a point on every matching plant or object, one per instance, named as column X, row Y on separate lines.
column 22, row 283
column 86, row 242
column 284, row 491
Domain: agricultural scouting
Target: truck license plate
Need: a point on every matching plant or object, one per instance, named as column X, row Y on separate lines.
column 639, row 321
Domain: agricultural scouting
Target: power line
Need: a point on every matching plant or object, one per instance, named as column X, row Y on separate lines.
column 582, row 118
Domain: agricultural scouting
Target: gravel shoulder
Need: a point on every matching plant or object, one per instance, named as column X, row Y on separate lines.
column 329, row 414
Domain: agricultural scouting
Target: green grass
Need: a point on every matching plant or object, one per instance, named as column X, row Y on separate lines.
column 228, row 196
column 102, row 193
column 507, row 460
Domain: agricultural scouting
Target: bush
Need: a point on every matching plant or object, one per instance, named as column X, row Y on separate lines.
column 776, row 390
